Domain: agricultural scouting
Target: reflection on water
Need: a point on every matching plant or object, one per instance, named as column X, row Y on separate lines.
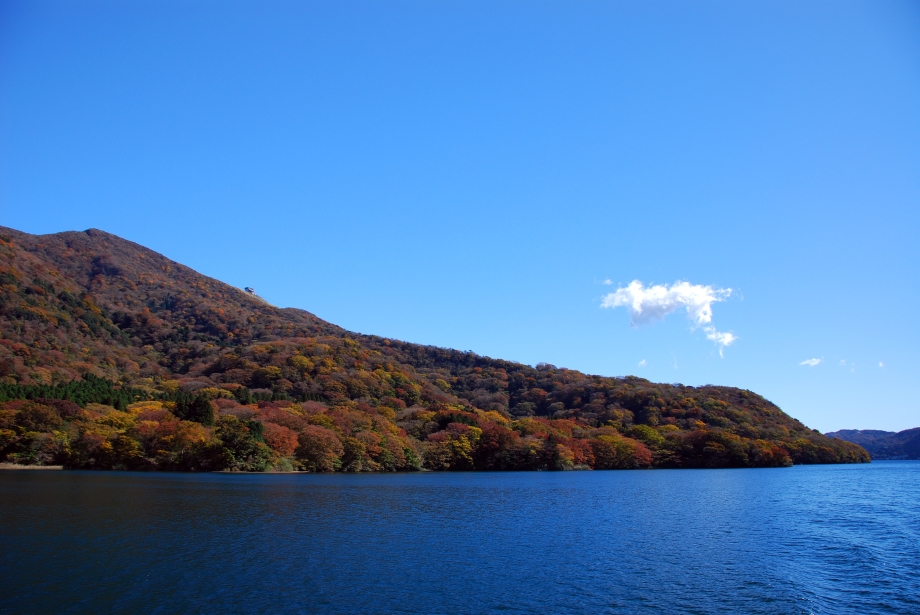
column 821, row 539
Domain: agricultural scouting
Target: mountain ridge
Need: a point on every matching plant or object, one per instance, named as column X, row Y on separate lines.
column 879, row 444
column 89, row 302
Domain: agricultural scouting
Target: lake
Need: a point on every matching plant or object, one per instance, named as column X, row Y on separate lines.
column 807, row 539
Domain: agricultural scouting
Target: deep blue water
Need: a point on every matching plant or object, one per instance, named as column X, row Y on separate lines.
column 819, row 539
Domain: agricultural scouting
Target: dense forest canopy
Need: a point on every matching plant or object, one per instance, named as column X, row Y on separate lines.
column 113, row 356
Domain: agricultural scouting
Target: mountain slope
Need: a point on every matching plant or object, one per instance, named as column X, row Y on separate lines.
column 884, row 444
column 306, row 393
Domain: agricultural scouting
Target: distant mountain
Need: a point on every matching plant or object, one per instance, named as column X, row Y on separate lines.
column 883, row 444
column 113, row 356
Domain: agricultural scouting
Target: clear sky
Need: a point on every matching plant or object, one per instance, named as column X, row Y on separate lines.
column 487, row 175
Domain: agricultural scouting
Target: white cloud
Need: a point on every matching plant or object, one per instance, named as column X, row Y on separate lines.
column 811, row 362
column 880, row 364
column 723, row 339
column 607, row 282
column 642, row 363
column 650, row 304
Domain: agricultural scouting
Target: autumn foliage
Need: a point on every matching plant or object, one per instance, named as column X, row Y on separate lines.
column 112, row 356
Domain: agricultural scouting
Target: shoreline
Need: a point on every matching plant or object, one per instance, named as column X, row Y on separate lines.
column 16, row 466
column 268, row 472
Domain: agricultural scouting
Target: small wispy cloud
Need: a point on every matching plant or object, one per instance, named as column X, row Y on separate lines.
column 607, row 282
column 880, row 364
column 844, row 363
column 722, row 338
column 651, row 304
column 851, row 364
column 643, row 363
column 811, row 362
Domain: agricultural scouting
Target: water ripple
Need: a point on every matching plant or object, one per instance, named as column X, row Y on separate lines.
column 821, row 540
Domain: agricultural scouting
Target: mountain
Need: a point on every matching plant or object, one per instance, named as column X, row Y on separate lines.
column 113, row 356
column 883, row 444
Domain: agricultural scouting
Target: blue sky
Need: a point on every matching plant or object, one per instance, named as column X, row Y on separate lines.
column 470, row 174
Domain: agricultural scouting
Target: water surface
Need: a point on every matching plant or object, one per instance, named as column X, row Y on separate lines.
column 808, row 539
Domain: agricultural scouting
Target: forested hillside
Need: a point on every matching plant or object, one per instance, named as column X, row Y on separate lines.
column 884, row 444
column 113, row 356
